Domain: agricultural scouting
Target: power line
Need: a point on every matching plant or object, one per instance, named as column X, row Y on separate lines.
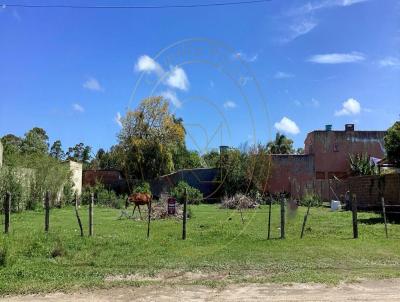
column 249, row 2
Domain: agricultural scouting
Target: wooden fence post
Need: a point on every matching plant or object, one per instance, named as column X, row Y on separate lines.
column 77, row 215
column 91, row 205
column 269, row 219
column 47, row 212
column 283, row 218
column 354, row 212
column 7, row 210
column 384, row 215
column 184, row 215
column 305, row 220
column 148, row 221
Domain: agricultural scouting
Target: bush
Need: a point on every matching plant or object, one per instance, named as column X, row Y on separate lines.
column 194, row 195
column 143, row 187
column 11, row 181
column 311, row 199
column 103, row 196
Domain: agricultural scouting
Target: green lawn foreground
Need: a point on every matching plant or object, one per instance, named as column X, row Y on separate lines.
column 217, row 241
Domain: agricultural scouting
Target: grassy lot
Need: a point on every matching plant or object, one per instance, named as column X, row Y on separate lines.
column 217, row 242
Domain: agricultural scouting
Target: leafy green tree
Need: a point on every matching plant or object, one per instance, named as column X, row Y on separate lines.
column 211, row 159
column 147, row 139
column 392, row 143
column 56, row 150
column 281, row 145
column 194, row 196
column 11, row 147
column 259, row 167
column 80, row 153
column 361, row 164
column 234, row 172
column 35, row 141
column 300, row 151
column 186, row 159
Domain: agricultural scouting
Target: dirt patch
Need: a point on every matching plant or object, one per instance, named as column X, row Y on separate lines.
column 171, row 277
column 379, row 290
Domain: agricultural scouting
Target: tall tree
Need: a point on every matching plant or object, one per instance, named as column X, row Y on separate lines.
column 80, row 153
column 281, row 145
column 35, row 141
column 56, row 150
column 211, row 158
column 392, row 143
column 11, row 146
column 148, row 137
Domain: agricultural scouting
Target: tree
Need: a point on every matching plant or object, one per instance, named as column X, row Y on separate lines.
column 186, row 159
column 361, row 164
column 392, row 143
column 281, row 145
column 80, row 153
column 211, row 158
column 259, row 167
column 35, row 142
column 300, row 151
column 56, row 150
column 147, row 139
column 11, row 147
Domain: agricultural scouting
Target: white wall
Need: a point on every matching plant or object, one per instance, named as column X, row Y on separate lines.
column 76, row 169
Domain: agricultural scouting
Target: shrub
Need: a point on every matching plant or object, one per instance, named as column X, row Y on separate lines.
column 143, row 187
column 194, row 195
column 311, row 199
column 103, row 196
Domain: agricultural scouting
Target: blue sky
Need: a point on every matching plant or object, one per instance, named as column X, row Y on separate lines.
column 234, row 74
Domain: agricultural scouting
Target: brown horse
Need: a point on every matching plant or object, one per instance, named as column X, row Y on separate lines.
column 139, row 199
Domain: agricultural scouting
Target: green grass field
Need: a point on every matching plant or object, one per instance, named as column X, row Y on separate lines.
column 217, row 241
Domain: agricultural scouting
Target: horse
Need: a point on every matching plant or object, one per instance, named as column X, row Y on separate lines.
column 139, row 199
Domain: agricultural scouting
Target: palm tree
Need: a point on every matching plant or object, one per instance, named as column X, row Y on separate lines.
column 281, row 145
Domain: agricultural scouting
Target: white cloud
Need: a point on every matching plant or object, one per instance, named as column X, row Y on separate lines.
column 93, row 84
column 78, row 108
column 171, row 96
column 177, row 79
column 337, row 58
column 148, row 65
column 311, row 7
column 283, row 75
column 287, row 125
column 230, row 105
column 300, row 28
column 305, row 15
column 245, row 57
column 389, row 62
column 349, row 107
column 118, row 118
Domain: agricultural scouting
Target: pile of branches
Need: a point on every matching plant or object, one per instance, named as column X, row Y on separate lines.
column 159, row 210
column 239, row 201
